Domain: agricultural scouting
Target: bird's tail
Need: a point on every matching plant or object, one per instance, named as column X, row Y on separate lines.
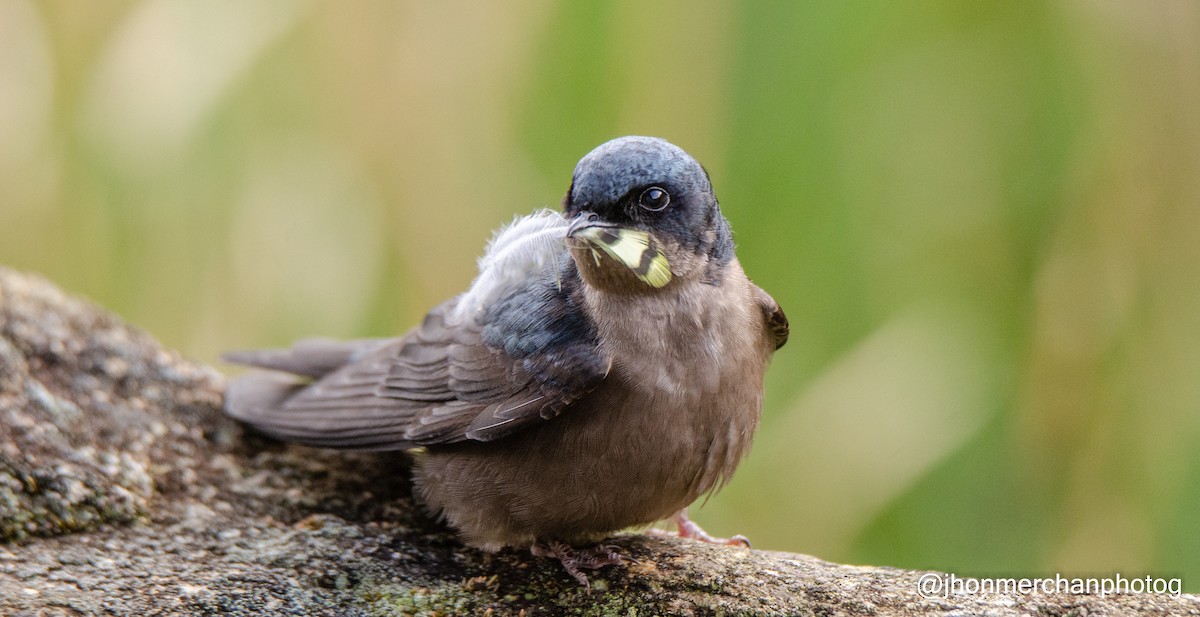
column 313, row 357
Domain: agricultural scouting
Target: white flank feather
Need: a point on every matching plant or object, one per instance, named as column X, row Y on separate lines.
column 526, row 247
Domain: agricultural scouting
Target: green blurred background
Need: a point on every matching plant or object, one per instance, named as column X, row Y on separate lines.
column 983, row 222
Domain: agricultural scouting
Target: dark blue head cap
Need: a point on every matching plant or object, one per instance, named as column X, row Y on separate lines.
column 608, row 174
column 609, row 181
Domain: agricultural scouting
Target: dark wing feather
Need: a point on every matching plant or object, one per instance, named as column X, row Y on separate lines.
column 526, row 358
column 776, row 321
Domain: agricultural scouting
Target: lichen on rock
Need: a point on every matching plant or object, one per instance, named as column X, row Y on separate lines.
column 83, row 436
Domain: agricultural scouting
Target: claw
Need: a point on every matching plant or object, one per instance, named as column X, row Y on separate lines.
column 688, row 529
column 574, row 561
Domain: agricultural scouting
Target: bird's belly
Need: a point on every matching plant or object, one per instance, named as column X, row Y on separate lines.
column 620, row 458
column 670, row 422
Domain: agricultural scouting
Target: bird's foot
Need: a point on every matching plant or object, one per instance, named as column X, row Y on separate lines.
column 688, row 529
column 576, row 560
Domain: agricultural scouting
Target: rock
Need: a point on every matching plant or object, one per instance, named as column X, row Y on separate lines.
column 124, row 490
column 82, row 401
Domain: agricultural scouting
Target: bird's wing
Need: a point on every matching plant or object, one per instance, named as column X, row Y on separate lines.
column 520, row 352
column 530, row 356
column 776, row 322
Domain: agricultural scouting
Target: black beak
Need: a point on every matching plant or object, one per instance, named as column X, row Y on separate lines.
column 584, row 220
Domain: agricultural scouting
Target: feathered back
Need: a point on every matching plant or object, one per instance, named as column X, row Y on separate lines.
column 523, row 249
column 515, row 349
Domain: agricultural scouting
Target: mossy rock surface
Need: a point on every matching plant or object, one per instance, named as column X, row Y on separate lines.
column 125, row 491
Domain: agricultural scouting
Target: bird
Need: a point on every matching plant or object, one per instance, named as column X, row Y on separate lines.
column 602, row 372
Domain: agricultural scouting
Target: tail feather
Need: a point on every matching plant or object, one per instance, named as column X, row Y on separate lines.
column 252, row 398
column 313, row 358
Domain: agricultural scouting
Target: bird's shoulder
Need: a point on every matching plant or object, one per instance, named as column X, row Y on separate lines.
column 773, row 316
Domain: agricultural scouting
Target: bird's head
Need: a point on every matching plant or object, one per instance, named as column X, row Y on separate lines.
column 643, row 216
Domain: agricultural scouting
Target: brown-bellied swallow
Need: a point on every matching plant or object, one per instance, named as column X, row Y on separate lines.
column 603, row 371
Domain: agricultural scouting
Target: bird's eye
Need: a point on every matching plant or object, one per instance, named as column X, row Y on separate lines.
column 654, row 199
